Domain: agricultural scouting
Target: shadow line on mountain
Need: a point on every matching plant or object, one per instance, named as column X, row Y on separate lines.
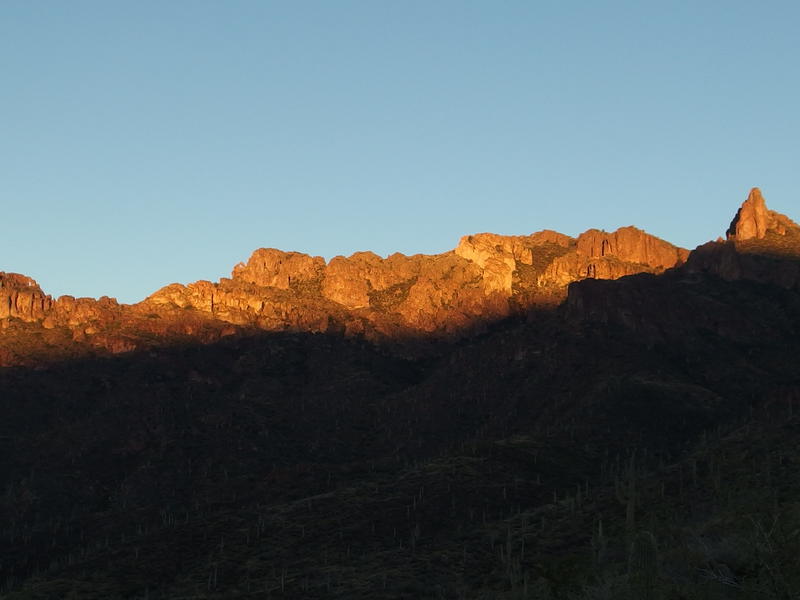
column 584, row 299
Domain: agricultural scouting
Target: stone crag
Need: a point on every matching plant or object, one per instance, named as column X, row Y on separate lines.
column 603, row 255
column 754, row 220
column 486, row 277
column 480, row 280
column 762, row 247
column 22, row 298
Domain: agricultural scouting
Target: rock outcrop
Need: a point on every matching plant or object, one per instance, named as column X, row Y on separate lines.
column 22, row 298
column 762, row 247
column 602, row 255
column 631, row 245
column 485, row 278
column 497, row 256
column 754, row 220
column 269, row 267
column 353, row 282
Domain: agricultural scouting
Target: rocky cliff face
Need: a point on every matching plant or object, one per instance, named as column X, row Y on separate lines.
column 497, row 256
column 22, row 298
column 269, row 267
column 762, row 247
column 485, row 278
column 754, row 221
column 603, row 255
column 482, row 279
column 630, row 245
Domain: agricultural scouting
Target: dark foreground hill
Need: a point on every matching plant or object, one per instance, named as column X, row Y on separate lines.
column 639, row 441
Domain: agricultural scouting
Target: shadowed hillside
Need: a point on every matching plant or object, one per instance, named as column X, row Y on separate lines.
column 637, row 441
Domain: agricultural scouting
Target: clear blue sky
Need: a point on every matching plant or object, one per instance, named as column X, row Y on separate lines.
column 145, row 142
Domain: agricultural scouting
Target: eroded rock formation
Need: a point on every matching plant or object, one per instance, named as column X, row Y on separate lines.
column 602, row 255
column 763, row 247
column 484, row 278
column 754, row 220
column 22, row 298
column 269, row 267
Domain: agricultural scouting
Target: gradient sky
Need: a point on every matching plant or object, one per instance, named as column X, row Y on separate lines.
column 146, row 142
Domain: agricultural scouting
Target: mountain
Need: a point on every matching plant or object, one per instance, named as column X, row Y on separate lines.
column 753, row 221
column 486, row 278
column 583, row 438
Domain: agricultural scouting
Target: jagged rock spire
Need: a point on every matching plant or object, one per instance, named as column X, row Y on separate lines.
column 751, row 219
column 754, row 220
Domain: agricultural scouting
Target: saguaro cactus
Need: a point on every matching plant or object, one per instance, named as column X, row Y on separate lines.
column 643, row 565
column 626, row 494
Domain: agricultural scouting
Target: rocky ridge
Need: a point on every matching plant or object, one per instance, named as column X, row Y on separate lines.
column 485, row 278
column 479, row 469
column 762, row 247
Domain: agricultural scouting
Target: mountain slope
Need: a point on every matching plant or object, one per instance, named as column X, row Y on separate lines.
column 637, row 441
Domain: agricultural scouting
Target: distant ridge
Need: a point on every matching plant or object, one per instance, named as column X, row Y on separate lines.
column 487, row 277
